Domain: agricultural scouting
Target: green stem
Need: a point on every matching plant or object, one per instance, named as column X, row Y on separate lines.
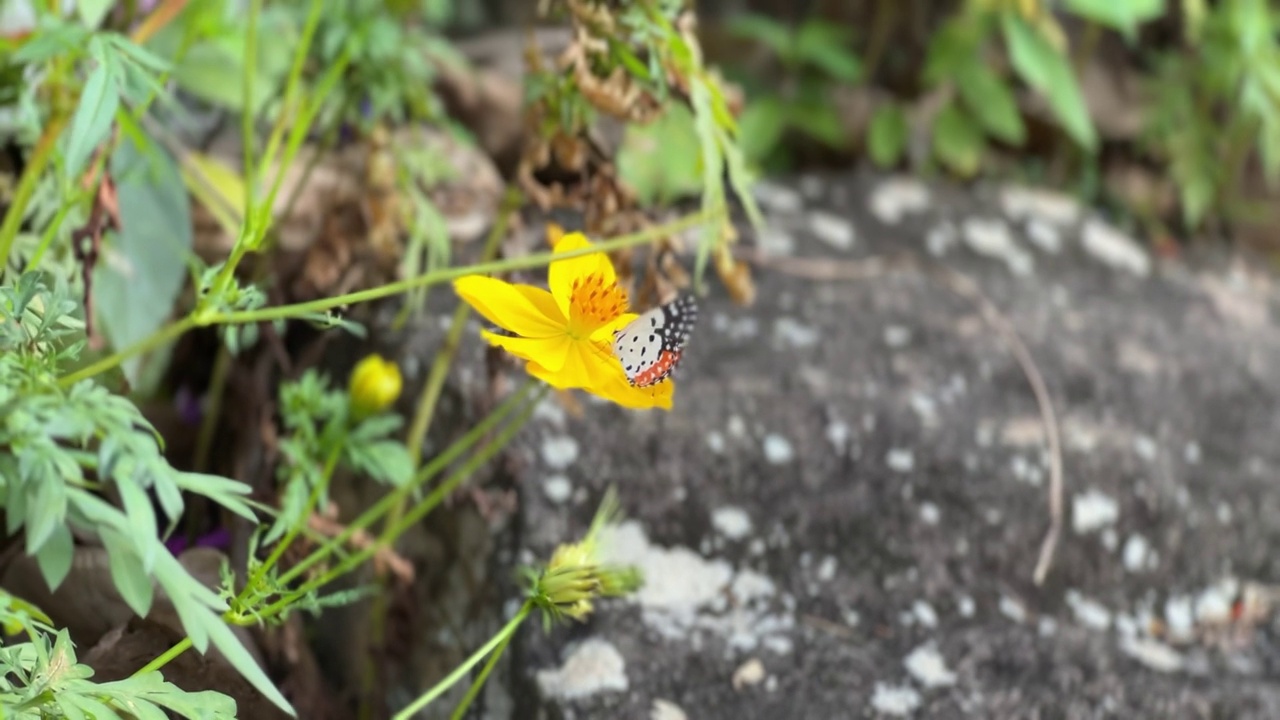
column 147, row 344
column 478, row 683
column 51, row 232
column 417, row 434
column 164, row 658
column 204, row 318
column 27, row 186
column 282, row 312
column 415, row 514
column 502, row 638
column 429, row 471
column 312, row 500
column 247, row 114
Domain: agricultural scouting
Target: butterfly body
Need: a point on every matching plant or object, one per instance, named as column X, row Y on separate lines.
column 650, row 346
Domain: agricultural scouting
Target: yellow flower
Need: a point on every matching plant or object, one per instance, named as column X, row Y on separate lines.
column 565, row 335
column 375, row 384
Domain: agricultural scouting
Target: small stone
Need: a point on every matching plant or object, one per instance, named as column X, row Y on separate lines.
column 557, row 488
column 929, row 513
column 1090, row 613
column 592, row 667
column 793, row 334
column 778, row 198
column 559, row 452
column 777, row 449
column 1093, row 510
column 895, row 700
column 1135, row 552
column 838, row 434
column 1179, row 617
column 924, row 614
column 940, row 239
column 666, row 710
column 737, row 427
column 773, row 241
column 715, row 441
column 895, row 198
column 896, row 336
column 1191, row 453
column 929, row 668
column 993, row 239
column 1012, row 609
column 1044, row 236
column 1038, row 203
column 966, row 606
column 1112, row 247
column 731, row 522
column 1145, row 447
column 832, row 229
column 827, row 569
column 900, row 460
column 1152, row 653
column 748, row 673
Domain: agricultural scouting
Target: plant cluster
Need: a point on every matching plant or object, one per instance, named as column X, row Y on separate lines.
column 98, row 280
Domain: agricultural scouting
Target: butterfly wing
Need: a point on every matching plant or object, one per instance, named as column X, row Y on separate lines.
column 651, row 345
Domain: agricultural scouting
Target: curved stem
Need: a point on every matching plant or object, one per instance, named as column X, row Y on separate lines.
column 502, row 638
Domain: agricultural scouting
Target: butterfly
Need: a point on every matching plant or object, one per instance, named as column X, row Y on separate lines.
column 650, row 346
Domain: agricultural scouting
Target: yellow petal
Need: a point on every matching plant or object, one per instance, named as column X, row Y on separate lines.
column 511, row 307
column 604, row 334
column 562, row 273
column 615, row 388
column 548, row 352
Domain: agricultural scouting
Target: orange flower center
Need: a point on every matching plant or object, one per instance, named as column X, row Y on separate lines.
column 593, row 302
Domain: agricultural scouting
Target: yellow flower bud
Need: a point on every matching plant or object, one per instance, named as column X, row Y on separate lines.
column 375, row 385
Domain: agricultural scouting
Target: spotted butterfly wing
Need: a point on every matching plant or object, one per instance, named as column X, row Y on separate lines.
column 650, row 346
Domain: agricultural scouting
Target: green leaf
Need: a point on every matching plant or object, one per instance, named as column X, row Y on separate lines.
column 47, row 510
column 990, row 100
column 1048, row 71
column 764, row 30
column 887, row 135
column 142, row 517
column 820, row 121
column 828, row 47
column 127, row 573
column 957, row 141
column 55, row 556
column 93, row 11
column 1121, row 15
column 761, row 127
column 230, row 494
column 243, row 662
column 144, row 265
column 93, row 118
column 660, row 160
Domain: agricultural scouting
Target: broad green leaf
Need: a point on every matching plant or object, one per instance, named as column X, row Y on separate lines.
column 1121, row 15
column 820, row 121
column 392, row 463
column 990, row 100
column 144, row 265
column 761, row 127
column 660, row 160
column 142, row 518
column 93, row 118
column 131, row 580
column 1048, row 71
column 828, row 47
column 55, row 556
column 954, row 45
column 54, row 37
column 93, row 11
column 228, row 493
column 957, row 141
column 764, row 30
column 887, row 135
column 47, row 508
column 243, row 662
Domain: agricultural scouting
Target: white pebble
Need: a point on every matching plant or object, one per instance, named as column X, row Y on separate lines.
column 1135, row 553
column 559, row 452
column 924, row 613
column 1092, row 510
column 900, row 460
column 731, row 522
column 838, row 434
column 929, row 513
column 832, row 229
column 896, row 336
column 895, row 700
column 966, row 606
column 557, row 488
column 777, row 449
column 715, row 441
column 929, row 668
